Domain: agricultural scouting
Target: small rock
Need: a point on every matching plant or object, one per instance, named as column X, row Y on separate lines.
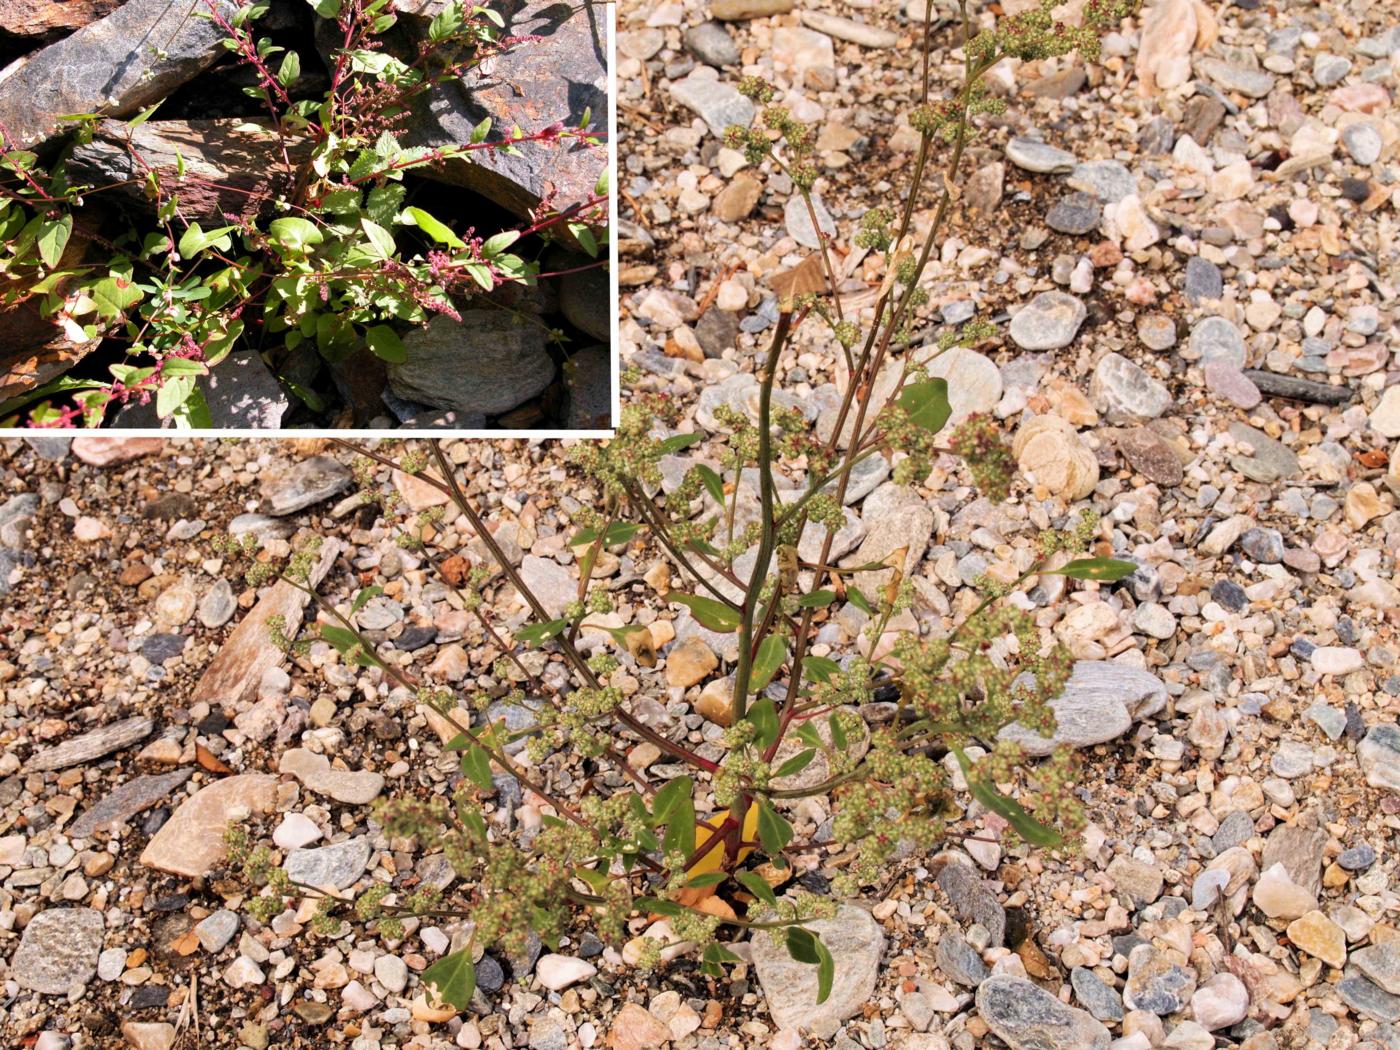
column 1048, row 322
column 1125, row 393
column 1034, row 155
column 1221, row 1002
column 315, row 772
column 557, row 972
column 1379, row 756
column 1027, row 1017
column 1319, row 936
column 330, row 867
column 58, row 950
column 1100, row 999
column 856, row 942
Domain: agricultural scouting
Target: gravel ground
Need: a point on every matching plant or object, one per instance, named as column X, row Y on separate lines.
column 1197, row 304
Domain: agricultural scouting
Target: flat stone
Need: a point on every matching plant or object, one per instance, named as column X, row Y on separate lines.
column 335, row 867
column 1108, row 180
column 1203, row 280
column 1300, row 851
column 304, row 484
column 1363, row 143
column 1142, row 882
column 191, row 842
column 94, row 744
column 974, row 382
column 1226, row 381
column 48, row 18
column 240, row 391
column 588, row 404
column 1379, row 756
column 718, row 104
column 1126, row 393
column 1075, row 214
column 741, row 10
column 1272, row 459
column 1381, row 964
column 58, row 950
column 149, row 1035
column 118, row 806
column 1034, row 155
column 509, row 363
column 1216, row 339
column 1099, row 703
column 711, row 43
column 233, row 675
column 113, row 451
column 110, row 67
column 1050, row 321
column 316, row 774
column 1026, row 1017
column 231, row 165
column 855, row 941
column 557, row 972
column 1252, row 83
column 798, row 221
column 1100, row 999
column 1157, row 982
column 1220, row 1002
column 1320, row 937
column 850, row 30
column 216, row 930
column 552, row 76
column 895, row 518
column 1368, row 999
column 959, row 960
column 1148, row 453
column 971, row 900
column 218, row 605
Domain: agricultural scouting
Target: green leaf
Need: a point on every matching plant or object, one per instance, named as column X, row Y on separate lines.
column 536, row 633
column 708, row 613
column 763, row 716
column 326, row 8
column 194, row 240
column 386, row 344
column 294, row 233
column 826, row 970
column 668, row 797
column 676, row 442
column 453, row 978
column 53, row 237
column 816, row 599
column 380, row 238
column 290, row 69
column 493, row 246
column 859, row 600
column 1030, row 829
column 796, row 764
column 1102, row 569
column 774, row 832
column 680, row 827
column 758, row 886
column 715, row 956
column 172, row 394
column 146, row 114
column 658, row 906
column 363, row 598
column 838, row 735
column 802, row 945
column 819, row 668
column 583, row 233
column 618, row 532
column 712, row 482
column 772, row 651
column 926, row 404
column 433, row 228
column 709, row 878
column 476, row 767
column 480, row 132
column 344, row 641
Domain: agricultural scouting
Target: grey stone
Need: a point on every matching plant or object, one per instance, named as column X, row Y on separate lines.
column 1216, row 339
column 1098, row 998
column 1027, row 1017
column 337, row 866
column 1203, row 280
column 1125, row 393
column 1108, row 180
column 218, row 605
column 488, row 363
column 1330, row 69
column 516, row 716
column 1075, row 214
column 1235, row 830
column 588, row 381
column 1381, row 964
column 1048, row 322
column 585, row 295
column 58, row 950
column 1369, row 1000
column 971, row 900
column 1379, row 756
column 51, row 448
column 1142, row 882
column 855, row 941
column 718, row 104
column 1363, row 142
column 1228, row 382
column 16, row 516
column 1263, row 545
column 116, row 66
column 1357, row 858
column 1034, row 155
column 92, row 745
column 1156, row 982
column 798, row 220
column 124, row 802
column 959, row 960
column 216, row 930
column 306, row 483
column 711, row 43
column 1157, row 331
column 554, row 76
column 1272, row 459
column 550, row 582
column 1100, row 702
column 1150, row 455
column 1252, row 83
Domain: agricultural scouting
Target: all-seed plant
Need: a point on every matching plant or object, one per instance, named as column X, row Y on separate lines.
column 702, row 840
column 338, row 259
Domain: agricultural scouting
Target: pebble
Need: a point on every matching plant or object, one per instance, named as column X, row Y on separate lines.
column 1220, row 1002
column 711, row 43
column 1158, row 981
column 1125, row 393
column 58, row 950
column 719, row 105
column 1379, row 756
column 1363, row 142
column 557, row 972
column 1216, row 339
column 1026, row 1017
column 1320, row 937
column 216, row 930
column 1336, row 660
column 304, row 484
column 335, row 867
column 1050, row 321
column 1034, row 155
column 1100, row 999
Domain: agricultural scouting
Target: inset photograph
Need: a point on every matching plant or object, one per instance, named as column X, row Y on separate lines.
column 279, row 215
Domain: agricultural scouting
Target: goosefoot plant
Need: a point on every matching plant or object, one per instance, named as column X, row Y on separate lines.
column 702, row 842
column 338, row 259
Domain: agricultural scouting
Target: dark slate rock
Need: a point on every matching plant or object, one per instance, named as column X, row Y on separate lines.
column 960, row 961
column 509, row 363
column 1076, row 214
column 1234, row 830
column 159, row 648
column 972, row 901
column 115, row 66
column 1358, row 858
column 1203, row 280
column 1026, row 1017
column 415, row 636
column 588, row 401
column 711, row 43
column 489, row 975
column 1229, row 594
column 1369, row 1000
column 120, row 805
column 1097, row 997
